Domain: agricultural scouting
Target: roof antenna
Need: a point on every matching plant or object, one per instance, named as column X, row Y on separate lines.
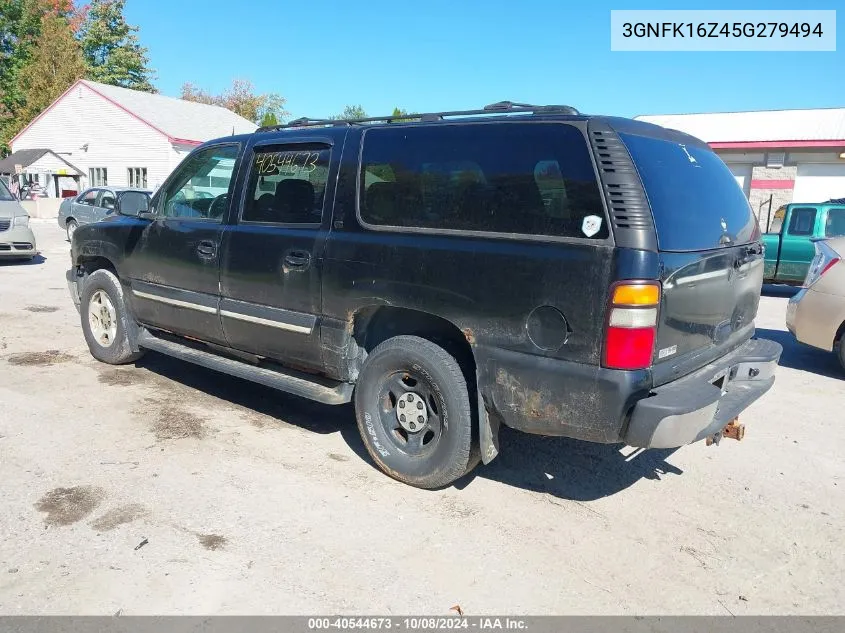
column 233, row 130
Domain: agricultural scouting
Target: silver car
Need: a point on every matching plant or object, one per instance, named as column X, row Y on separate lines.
column 16, row 238
column 92, row 205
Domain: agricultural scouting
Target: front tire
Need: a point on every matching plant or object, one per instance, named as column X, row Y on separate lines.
column 413, row 411
column 109, row 329
column 72, row 225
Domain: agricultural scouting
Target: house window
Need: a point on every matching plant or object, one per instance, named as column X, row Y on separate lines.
column 98, row 176
column 138, row 177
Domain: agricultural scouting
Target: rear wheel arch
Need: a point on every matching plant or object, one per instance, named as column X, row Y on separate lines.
column 373, row 325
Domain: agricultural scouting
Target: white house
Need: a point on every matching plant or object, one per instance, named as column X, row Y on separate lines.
column 119, row 137
column 777, row 156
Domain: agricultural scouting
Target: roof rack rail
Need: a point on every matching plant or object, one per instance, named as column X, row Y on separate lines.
column 509, row 107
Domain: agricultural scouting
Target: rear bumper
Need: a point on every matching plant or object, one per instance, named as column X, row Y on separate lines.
column 701, row 404
column 554, row 397
column 814, row 317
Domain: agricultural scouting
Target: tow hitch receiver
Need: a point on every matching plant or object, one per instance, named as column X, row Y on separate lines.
column 734, row 430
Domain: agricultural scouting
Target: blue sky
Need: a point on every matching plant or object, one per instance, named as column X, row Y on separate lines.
column 458, row 54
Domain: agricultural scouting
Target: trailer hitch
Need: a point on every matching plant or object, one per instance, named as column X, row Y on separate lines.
column 734, row 430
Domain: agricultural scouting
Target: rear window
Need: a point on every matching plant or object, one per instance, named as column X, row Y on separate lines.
column 527, row 178
column 694, row 198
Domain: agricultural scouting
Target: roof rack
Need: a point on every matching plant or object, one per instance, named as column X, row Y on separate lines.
column 500, row 107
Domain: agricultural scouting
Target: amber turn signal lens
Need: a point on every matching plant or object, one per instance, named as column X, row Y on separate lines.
column 636, row 295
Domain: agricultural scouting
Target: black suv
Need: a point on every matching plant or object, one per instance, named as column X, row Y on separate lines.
column 585, row 276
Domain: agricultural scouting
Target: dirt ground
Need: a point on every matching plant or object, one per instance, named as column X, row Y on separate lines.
column 164, row 488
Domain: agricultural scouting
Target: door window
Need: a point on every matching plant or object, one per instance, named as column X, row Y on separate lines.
column 802, row 221
column 89, row 198
column 835, row 225
column 106, row 200
column 287, row 185
column 201, row 185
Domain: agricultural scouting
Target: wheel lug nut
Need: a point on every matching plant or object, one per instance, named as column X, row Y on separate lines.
column 401, row 404
column 402, row 418
column 419, row 405
column 410, row 397
column 413, row 426
column 420, row 419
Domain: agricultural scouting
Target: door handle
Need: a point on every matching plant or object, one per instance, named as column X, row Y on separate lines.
column 297, row 259
column 207, row 248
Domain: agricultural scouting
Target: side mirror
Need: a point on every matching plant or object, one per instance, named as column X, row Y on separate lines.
column 134, row 204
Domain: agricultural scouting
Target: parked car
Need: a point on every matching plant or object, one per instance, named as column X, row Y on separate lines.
column 33, row 191
column 816, row 314
column 16, row 238
column 92, row 205
column 789, row 249
column 522, row 265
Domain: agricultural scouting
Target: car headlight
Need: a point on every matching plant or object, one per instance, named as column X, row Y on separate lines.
column 21, row 220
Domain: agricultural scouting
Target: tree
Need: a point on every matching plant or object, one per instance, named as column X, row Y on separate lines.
column 351, row 112
column 55, row 65
column 111, row 49
column 269, row 119
column 20, row 24
column 242, row 99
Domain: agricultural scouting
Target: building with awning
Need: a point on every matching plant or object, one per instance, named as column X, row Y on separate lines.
column 57, row 177
column 112, row 136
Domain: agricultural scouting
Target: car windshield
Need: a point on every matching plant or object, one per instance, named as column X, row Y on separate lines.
column 5, row 196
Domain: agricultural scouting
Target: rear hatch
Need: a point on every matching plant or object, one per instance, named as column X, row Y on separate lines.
column 710, row 253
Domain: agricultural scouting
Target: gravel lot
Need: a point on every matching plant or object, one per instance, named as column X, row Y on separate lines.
column 250, row 501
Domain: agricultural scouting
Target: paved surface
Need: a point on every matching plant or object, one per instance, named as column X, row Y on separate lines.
column 250, row 501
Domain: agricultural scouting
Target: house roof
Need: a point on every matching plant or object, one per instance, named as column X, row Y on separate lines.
column 26, row 157
column 823, row 127
column 179, row 120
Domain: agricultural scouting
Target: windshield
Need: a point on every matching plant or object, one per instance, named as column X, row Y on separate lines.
column 694, row 198
column 5, row 196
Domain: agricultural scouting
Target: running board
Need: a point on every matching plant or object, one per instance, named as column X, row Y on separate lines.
column 297, row 383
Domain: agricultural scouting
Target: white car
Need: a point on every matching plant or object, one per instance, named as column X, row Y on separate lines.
column 16, row 238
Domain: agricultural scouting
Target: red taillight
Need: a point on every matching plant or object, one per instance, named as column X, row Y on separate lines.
column 628, row 348
column 631, row 325
column 828, row 266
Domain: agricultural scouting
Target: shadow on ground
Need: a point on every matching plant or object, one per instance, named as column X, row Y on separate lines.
column 38, row 259
column 803, row 357
column 561, row 467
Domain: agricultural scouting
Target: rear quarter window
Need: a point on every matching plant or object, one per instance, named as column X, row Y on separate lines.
column 525, row 178
column 695, row 199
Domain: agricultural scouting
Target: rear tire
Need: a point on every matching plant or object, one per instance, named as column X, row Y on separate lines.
column 431, row 446
column 842, row 352
column 71, row 229
column 109, row 329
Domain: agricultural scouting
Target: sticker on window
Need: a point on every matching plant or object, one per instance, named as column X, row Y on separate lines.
column 591, row 225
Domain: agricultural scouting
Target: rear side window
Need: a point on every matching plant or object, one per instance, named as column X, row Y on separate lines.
column 527, row 178
column 287, row 185
column 694, row 198
column 802, row 221
column 835, row 224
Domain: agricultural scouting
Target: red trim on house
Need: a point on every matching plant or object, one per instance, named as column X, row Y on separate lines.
column 172, row 139
column 772, row 184
column 775, row 144
column 183, row 141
